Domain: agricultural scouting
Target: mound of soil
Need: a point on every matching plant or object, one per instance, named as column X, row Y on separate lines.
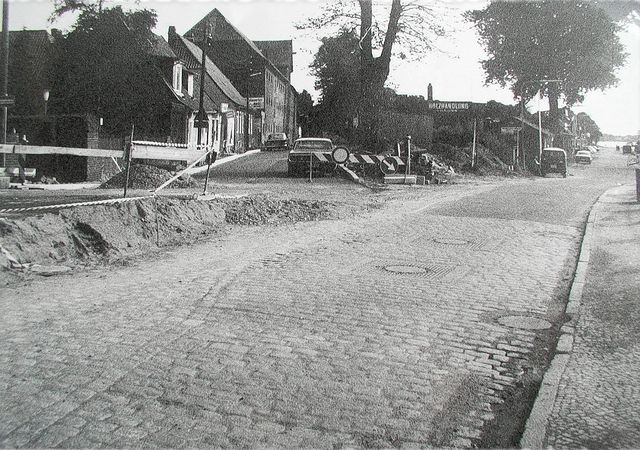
column 89, row 235
column 144, row 176
column 260, row 209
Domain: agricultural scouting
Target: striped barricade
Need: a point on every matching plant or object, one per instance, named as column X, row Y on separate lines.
column 373, row 159
column 358, row 159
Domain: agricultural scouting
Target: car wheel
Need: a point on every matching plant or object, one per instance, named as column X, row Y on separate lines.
column 292, row 171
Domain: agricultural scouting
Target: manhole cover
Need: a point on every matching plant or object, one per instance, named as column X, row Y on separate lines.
column 406, row 269
column 523, row 322
column 451, row 241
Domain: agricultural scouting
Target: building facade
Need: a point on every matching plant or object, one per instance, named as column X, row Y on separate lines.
column 268, row 90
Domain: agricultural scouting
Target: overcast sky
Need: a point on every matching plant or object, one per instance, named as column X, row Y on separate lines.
column 454, row 70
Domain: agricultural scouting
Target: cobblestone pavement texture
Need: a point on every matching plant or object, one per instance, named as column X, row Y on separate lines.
column 599, row 392
column 378, row 330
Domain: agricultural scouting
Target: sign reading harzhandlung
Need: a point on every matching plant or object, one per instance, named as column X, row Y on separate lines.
column 449, row 106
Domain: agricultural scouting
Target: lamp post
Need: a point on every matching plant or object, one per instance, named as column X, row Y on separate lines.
column 539, row 91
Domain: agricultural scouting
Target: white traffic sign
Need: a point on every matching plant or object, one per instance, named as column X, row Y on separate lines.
column 340, row 155
column 510, row 130
column 389, row 165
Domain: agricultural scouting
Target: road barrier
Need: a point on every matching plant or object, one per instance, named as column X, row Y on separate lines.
column 71, row 205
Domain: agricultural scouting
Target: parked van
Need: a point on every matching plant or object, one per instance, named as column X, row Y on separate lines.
column 554, row 160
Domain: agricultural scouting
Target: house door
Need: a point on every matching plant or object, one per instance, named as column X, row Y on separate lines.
column 204, row 137
column 215, row 132
column 231, row 126
column 193, row 133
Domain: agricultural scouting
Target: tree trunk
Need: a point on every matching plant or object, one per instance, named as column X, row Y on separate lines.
column 371, row 106
column 554, row 113
column 373, row 75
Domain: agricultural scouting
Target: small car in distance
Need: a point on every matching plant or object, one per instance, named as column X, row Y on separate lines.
column 583, row 156
column 553, row 160
column 276, row 141
column 301, row 155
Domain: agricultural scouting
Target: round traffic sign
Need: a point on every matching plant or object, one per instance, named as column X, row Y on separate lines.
column 340, row 155
column 389, row 165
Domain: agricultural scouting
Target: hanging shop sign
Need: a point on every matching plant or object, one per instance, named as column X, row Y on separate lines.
column 256, row 102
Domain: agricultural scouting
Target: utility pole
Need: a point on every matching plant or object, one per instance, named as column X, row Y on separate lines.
column 201, row 114
column 5, row 70
column 246, row 112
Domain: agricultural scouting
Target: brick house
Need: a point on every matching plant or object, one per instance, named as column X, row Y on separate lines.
column 255, row 75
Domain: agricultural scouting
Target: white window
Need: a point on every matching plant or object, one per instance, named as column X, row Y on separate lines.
column 190, row 84
column 177, row 77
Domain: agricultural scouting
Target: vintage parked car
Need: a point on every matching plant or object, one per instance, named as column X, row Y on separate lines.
column 583, row 156
column 300, row 156
column 627, row 148
column 276, row 141
column 553, row 160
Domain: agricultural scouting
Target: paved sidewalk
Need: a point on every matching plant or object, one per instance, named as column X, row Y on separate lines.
column 599, row 392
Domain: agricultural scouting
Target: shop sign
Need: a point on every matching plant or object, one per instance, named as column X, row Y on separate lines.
column 256, row 102
column 448, row 106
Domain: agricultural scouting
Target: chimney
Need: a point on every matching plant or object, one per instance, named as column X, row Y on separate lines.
column 430, row 92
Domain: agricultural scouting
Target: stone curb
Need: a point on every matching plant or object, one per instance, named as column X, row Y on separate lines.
column 535, row 431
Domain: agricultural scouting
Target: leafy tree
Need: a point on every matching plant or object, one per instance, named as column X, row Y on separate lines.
column 304, row 108
column 408, row 29
column 572, row 41
column 104, row 68
column 336, row 69
column 61, row 7
column 304, row 103
column 588, row 127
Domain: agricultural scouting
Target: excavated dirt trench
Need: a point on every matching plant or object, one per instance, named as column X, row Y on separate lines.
column 79, row 237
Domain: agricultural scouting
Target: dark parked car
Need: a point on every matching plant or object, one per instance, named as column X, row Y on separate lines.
column 300, row 156
column 554, row 160
column 277, row 141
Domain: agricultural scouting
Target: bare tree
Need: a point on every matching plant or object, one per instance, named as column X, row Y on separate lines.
column 408, row 30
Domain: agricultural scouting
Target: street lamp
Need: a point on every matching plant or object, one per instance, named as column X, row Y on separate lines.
column 45, row 96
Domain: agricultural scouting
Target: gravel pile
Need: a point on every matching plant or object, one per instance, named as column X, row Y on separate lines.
column 143, row 176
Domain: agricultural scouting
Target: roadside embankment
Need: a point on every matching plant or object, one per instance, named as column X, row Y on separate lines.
column 84, row 236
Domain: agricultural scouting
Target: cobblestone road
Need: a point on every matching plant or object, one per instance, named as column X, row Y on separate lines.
column 375, row 331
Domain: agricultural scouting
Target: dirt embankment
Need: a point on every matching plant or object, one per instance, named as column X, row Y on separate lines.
column 84, row 236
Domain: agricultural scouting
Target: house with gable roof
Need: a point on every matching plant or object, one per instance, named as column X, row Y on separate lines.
column 224, row 106
column 255, row 75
